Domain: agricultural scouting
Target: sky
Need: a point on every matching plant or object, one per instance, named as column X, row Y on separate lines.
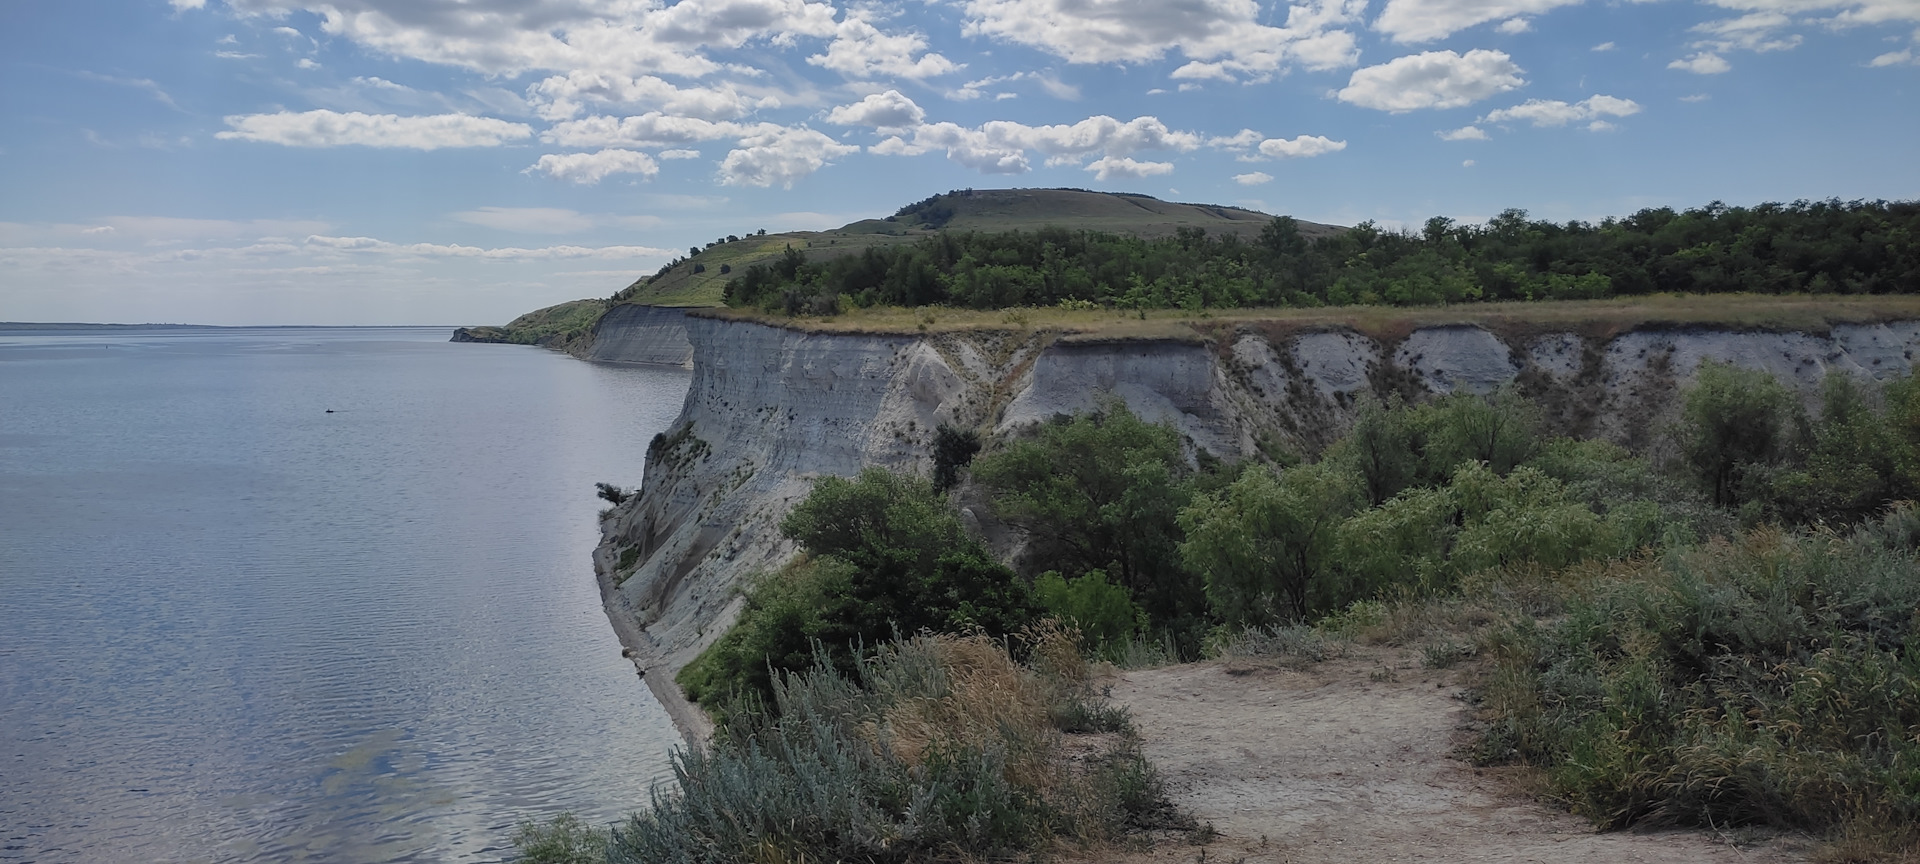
column 464, row 161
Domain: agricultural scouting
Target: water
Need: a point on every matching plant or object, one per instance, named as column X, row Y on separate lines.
column 234, row 627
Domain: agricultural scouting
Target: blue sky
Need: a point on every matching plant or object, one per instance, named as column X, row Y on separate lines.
column 462, row 161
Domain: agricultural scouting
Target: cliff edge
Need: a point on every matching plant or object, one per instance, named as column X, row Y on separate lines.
column 770, row 408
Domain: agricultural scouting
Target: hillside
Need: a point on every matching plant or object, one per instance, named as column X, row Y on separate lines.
column 984, row 210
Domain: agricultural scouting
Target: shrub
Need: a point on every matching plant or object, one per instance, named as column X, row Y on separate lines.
column 1734, row 424
column 1102, row 492
column 1103, row 612
column 565, row 839
column 1773, row 679
column 953, row 449
column 935, row 747
column 885, row 556
column 1266, row 545
column 612, row 494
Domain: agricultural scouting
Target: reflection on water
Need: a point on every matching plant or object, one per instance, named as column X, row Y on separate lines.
column 238, row 627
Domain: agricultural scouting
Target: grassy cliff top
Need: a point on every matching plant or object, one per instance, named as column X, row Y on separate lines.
column 1601, row 318
column 964, row 210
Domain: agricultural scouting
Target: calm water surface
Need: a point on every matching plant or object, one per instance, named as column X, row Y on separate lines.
column 234, row 627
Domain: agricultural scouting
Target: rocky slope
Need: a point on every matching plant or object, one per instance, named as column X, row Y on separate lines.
column 771, row 408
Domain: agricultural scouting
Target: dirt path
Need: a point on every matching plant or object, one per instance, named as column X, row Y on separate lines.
column 1351, row 761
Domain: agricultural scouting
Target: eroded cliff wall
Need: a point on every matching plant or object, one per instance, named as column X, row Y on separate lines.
column 770, row 409
column 630, row 333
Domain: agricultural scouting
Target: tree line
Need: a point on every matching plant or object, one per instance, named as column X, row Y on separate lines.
column 1819, row 247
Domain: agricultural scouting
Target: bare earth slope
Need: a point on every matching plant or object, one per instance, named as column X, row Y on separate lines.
column 1351, row 760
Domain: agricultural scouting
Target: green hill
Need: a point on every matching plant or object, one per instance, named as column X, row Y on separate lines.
column 699, row 279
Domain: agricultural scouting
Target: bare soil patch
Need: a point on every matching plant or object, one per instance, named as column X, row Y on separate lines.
column 1353, row 760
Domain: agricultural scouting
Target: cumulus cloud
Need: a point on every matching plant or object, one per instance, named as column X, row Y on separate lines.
column 561, row 97
column 587, row 169
column 1464, row 133
column 1253, row 178
column 1435, row 79
column 1553, row 112
column 526, row 220
column 889, row 110
column 1427, row 20
column 780, row 156
column 859, row 50
column 1122, row 168
column 1604, row 46
column 1894, row 58
column 334, row 129
column 1224, row 37
column 1514, row 25
column 1300, row 147
column 652, row 129
column 679, row 154
column 508, row 37
column 1703, row 63
column 1000, row 146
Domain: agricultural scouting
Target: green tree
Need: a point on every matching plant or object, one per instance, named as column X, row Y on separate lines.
column 1266, row 544
column 1100, row 491
column 1733, row 422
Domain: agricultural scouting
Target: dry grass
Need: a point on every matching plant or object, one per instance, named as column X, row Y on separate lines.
column 1387, row 324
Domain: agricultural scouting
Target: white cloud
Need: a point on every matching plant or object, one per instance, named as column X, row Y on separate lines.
column 1240, row 140
column 1048, row 81
column 1894, row 58
column 859, row 50
column 1553, row 112
column 508, row 37
column 184, row 5
column 1253, row 178
column 526, row 220
column 1601, row 126
column 562, row 97
column 587, row 169
column 1225, row 33
column 1300, row 147
column 1514, row 25
column 889, row 110
column 334, row 129
column 652, row 129
column 679, row 154
column 1753, row 32
column 307, row 63
column 999, row 146
column 1427, row 20
column 1468, row 163
column 1464, row 133
column 370, row 245
column 780, row 156
column 1604, row 46
column 1120, row 167
column 1697, row 97
column 1435, row 79
column 1703, row 63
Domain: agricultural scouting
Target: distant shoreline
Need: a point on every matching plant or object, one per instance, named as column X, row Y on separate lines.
column 28, row 326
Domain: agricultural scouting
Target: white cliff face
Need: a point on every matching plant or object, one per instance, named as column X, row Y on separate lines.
column 640, row 334
column 770, row 409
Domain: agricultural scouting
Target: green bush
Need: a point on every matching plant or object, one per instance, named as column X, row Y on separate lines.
column 564, row 839
column 1103, row 612
column 1735, row 425
column 1774, row 679
column 885, row 555
column 935, row 748
column 1267, row 545
column 1102, row 492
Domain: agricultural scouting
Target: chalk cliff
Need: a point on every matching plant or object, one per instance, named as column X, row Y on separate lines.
column 771, row 408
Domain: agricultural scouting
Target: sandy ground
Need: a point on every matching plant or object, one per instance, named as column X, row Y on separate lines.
column 1352, row 760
